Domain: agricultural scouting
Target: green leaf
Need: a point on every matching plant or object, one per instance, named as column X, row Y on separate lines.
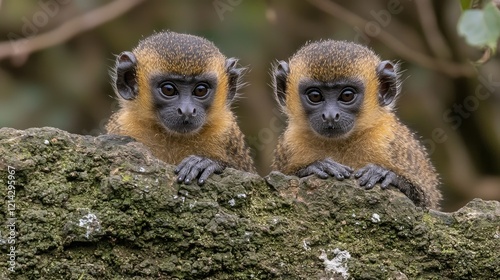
column 472, row 4
column 481, row 28
column 492, row 19
column 465, row 4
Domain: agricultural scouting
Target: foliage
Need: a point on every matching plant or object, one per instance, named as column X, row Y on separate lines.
column 480, row 27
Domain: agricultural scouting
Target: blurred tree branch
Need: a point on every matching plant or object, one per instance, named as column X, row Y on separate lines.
column 434, row 38
column 23, row 47
column 448, row 67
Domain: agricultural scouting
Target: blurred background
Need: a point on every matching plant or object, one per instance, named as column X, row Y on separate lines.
column 55, row 56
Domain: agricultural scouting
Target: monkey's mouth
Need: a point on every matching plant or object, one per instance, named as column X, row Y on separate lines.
column 181, row 126
column 187, row 129
column 334, row 130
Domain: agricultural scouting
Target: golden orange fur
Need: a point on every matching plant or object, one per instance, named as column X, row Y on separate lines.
column 220, row 137
column 377, row 137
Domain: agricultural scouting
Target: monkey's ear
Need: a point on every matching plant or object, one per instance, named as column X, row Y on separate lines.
column 280, row 75
column 388, row 78
column 234, row 74
column 126, row 82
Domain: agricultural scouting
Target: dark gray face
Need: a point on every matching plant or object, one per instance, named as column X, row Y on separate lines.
column 331, row 107
column 182, row 101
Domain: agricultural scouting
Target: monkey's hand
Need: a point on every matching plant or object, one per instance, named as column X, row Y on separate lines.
column 325, row 168
column 194, row 167
column 371, row 174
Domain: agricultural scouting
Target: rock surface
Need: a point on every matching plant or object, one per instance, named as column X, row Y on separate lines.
column 104, row 208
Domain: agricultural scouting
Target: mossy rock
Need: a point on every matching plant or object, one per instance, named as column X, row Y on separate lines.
column 105, row 208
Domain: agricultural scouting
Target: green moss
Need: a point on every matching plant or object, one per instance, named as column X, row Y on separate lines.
column 237, row 226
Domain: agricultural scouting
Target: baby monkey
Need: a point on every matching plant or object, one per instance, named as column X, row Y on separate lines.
column 175, row 93
column 339, row 98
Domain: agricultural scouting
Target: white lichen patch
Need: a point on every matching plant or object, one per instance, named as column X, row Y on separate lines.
column 375, row 218
column 338, row 264
column 142, row 169
column 305, row 245
column 91, row 223
column 232, row 202
column 248, row 235
column 241, row 195
column 192, row 204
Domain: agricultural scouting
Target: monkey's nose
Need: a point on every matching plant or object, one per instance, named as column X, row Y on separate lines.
column 187, row 112
column 330, row 117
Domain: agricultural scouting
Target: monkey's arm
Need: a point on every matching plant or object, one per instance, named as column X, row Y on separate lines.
column 237, row 152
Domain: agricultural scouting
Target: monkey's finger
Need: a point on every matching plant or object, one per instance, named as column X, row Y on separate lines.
column 206, row 173
column 373, row 180
column 197, row 168
column 183, row 163
column 347, row 173
column 344, row 169
column 320, row 173
column 185, row 168
column 338, row 172
column 373, row 175
column 312, row 169
column 360, row 172
column 371, row 170
column 363, row 180
column 334, row 171
column 366, row 179
column 390, row 178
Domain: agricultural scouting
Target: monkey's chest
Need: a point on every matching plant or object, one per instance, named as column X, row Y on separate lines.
column 355, row 156
column 173, row 151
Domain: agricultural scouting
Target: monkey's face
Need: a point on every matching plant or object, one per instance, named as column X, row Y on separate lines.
column 182, row 101
column 331, row 107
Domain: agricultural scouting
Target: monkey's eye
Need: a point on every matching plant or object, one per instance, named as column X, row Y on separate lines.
column 314, row 96
column 167, row 89
column 200, row 90
column 347, row 95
